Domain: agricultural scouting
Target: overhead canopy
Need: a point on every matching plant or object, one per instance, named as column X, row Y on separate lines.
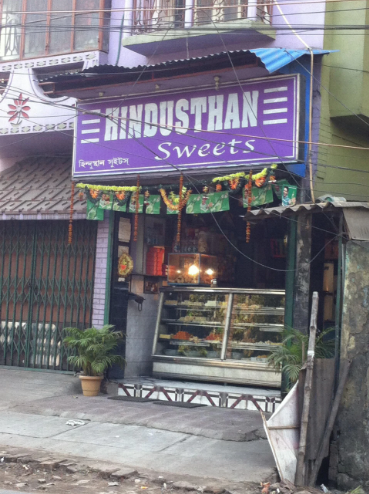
column 39, row 188
column 286, row 211
column 258, row 62
column 274, row 59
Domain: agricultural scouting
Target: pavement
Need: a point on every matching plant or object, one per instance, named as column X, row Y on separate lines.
column 203, row 443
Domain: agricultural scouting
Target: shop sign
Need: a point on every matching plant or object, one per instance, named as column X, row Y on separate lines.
column 187, row 130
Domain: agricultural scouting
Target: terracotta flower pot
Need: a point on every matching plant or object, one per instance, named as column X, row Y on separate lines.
column 91, row 385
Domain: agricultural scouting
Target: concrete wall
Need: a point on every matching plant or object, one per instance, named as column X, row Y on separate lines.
column 140, row 331
column 344, row 105
column 349, row 463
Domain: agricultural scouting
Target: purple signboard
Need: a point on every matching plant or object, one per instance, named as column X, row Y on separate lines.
column 198, row 129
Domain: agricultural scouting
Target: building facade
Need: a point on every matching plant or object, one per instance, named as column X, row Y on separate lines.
column 151, row 87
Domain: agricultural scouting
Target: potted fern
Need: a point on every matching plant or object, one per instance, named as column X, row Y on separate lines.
column 290, row 356
column 94, row 354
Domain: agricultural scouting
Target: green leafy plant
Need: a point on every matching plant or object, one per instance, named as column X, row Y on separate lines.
column 94, row 348
column 290, row 356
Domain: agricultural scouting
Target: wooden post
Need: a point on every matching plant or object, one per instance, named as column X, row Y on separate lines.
column 300, row 470
column 345, row 366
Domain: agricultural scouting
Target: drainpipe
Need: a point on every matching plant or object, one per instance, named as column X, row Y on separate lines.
column 128, row 19
column 188, row 20
column 337, row 332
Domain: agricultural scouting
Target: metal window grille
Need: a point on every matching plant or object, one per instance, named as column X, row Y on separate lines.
column 45, row 286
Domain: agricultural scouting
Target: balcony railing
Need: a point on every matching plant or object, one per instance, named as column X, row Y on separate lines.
column 153, row 15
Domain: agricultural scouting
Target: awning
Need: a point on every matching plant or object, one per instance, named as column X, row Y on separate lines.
column 274, row 59
column 286, row 211
column 39, row 188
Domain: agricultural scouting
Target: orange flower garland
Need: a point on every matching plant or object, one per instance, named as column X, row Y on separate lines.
column 179, row 222
column 233, row 183
column 169, row 203
column 70, row 228
column 135, row 231
column 249, row 200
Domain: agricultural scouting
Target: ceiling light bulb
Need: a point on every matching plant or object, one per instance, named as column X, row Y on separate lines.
column 209, row 271
column 193, row 270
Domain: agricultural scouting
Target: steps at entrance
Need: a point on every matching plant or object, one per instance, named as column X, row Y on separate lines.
column 187, row 393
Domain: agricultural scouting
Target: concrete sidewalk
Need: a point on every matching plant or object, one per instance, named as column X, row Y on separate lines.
column 201, row 442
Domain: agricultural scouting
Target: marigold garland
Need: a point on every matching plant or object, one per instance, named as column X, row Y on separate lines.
column 135, row 231
column 169, row 203
column 235, row 177
column 110, row 188
column 70, row 228
column 249, row 201
column 179, row 221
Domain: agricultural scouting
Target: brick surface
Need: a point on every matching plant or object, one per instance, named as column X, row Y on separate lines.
column 98, row 306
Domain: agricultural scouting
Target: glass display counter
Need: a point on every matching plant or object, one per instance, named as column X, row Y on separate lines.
column 218, row 334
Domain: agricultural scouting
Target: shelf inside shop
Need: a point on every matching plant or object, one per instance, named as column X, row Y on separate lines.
column 192, row 343
column 195, row 308
column 273, row 328
column 174, row 322
column 272, row 311
column 252, row 346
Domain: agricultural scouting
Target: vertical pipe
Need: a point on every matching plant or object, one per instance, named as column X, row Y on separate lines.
column 227, row 325
column 252, row 13
column 188, row 20
column 310, row 145
column 128, row 19
column 337, row 335
column 290, row 283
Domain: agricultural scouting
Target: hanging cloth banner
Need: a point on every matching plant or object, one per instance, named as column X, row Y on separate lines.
column 212, row 202
column 132, row 203
column 259, row 196
column 93, row 211
column 278, row 187
column 152, row 204
column 98, row 201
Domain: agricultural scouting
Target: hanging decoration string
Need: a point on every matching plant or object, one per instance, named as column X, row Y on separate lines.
column 249, row 201
column 70, row 228
column 170, row 203
column 135, row 232
column 181, row 205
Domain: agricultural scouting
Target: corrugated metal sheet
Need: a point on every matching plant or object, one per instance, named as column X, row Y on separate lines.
column 289, row 210
column 39, row 187
column 272, row 59
column 357, row 222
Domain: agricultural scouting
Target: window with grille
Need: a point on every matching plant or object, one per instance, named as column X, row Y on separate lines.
column 34, row 28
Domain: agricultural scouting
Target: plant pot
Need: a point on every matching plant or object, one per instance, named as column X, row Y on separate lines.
column 90, row 385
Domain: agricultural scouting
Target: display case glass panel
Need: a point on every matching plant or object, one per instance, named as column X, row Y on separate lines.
column 192, row 324
column 257, row 321
column 192, row 269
